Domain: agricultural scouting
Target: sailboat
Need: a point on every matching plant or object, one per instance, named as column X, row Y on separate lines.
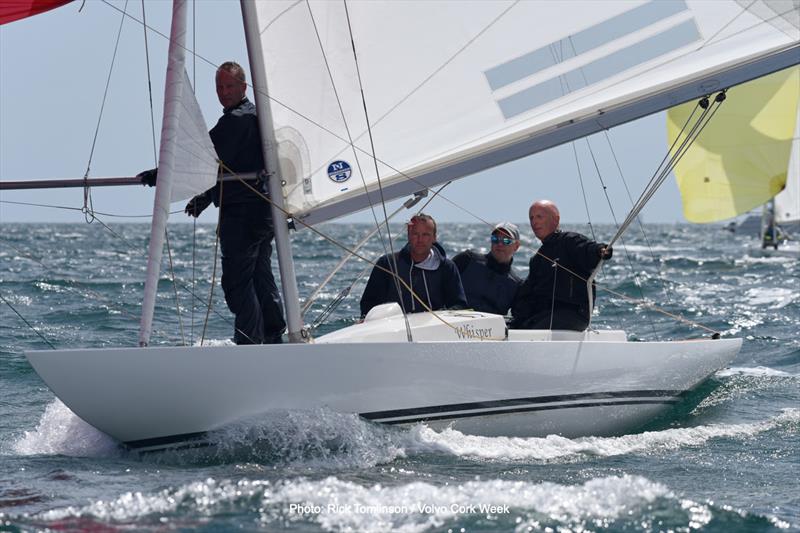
column 748, row 157
column 448, row 89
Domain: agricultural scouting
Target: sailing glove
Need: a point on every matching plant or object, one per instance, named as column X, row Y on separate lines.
column 197, row 205
column 606, row 252
column 148, row 177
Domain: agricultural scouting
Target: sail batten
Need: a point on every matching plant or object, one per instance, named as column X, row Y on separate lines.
column 454, row 88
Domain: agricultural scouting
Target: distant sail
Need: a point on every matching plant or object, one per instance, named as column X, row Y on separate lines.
column 11, row 10
column 741, row 159
column 787, row 203
column 452, row 88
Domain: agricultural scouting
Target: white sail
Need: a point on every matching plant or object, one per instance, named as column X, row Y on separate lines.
column 186, row 161
column 787, row 203
column 195, row 166
column 455, row 87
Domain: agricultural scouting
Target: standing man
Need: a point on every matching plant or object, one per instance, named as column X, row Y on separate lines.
column 490, row 282
column 554, row 296
column 245, row 221
column 423, row 266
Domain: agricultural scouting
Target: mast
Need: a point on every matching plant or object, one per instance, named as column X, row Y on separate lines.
column 283, row 246
column 166, row 164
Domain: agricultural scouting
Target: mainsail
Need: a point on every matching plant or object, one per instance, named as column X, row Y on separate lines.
column 741, row 159
column 451, row 88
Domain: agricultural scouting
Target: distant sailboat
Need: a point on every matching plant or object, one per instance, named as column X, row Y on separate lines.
column 453, row 88
column 746, row 158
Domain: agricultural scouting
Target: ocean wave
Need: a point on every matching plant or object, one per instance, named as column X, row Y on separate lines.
column 556, row 448
column 61, row 432
column 752, row 371
column 326, row 440
column 626, row 502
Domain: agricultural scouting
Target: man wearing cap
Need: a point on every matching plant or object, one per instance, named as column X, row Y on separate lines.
column 489, row 280
column 423, row 267
column 554, row 296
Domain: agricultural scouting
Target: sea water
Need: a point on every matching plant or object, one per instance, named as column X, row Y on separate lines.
column 729, row 460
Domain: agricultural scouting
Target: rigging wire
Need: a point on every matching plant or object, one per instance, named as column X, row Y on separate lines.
column 344, row 292
column 392, row 257
column 591, row 285
column 87, row 194
column 32, row 328
column 656, row 181
column 344, row 119
column 149, row 84
column 174, row 287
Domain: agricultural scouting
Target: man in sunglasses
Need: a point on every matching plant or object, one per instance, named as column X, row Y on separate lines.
column 490, row 282
column 555, row 296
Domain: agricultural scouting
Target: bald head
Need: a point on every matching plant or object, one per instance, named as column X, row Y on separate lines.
column 544, row 218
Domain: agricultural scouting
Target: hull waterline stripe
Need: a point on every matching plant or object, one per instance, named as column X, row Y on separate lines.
column 529, row 401
column 459, row 410
column 495, row 412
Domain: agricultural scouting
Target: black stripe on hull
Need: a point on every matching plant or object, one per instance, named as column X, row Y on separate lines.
column 452, row 411
column 477, row 413
column 517, row 405
column 172, row 442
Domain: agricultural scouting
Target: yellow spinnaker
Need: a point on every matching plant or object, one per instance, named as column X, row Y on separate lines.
column 741, row 158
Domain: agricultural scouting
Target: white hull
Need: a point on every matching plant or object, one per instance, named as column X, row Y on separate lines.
column 597, row 384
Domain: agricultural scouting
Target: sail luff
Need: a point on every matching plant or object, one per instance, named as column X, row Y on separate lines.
column 283, row 245
column 557, row 132
column 166, row 163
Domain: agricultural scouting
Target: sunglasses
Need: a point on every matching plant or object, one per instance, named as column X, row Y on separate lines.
column 508, row 241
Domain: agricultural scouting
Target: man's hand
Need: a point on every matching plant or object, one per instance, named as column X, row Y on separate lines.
column 606, row 252
column 148, row 177
column 197, row 205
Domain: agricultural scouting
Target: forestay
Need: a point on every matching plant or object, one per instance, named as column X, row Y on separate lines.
column 455, row 87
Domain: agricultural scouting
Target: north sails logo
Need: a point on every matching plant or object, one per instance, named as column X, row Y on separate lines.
column 339, row 171
column 470, row 332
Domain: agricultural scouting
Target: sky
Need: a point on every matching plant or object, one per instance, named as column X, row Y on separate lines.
column 53, row 73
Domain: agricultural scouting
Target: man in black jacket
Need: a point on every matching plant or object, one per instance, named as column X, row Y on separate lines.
column 490, row 282
column 424, row 268
column 245, row 222
column 555, row 296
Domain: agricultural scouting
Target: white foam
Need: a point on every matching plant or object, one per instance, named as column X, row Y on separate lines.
column 346, row 506
column 775, row 297
column 751, row 371
column 61, row 432
column 554, row 447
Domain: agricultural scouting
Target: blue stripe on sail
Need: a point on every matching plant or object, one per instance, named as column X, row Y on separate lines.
column 600, row 69
column 583, row 41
